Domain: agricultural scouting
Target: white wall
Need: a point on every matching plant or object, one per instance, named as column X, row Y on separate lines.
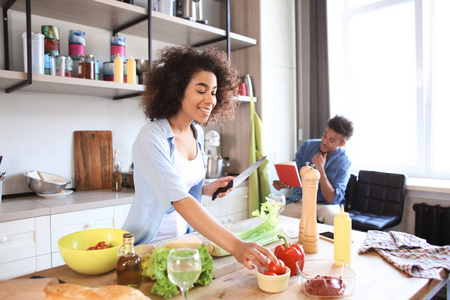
column 37, row 128
column 278, row 81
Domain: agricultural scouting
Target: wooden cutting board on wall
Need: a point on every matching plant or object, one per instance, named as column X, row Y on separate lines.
column 93, row 157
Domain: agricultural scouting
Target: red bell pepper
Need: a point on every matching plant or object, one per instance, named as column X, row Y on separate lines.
column 290, row 254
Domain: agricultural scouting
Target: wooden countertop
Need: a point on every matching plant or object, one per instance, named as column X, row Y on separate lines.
column 375, row 277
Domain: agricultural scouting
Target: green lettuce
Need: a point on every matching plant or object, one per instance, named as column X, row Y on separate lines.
column 156, row 269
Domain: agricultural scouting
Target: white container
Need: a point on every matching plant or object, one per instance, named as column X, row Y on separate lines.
column 37, row 52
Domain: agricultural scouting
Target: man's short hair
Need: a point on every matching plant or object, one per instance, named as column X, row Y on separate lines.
column 342, row 126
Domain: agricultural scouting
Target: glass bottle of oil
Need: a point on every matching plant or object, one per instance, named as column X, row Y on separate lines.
column 117, row 172
column 129, row 268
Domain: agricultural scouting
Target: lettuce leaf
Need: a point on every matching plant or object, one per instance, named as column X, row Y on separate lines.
column 156, row 269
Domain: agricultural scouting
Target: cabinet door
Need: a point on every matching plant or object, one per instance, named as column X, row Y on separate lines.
column 24, row 246
column 231, row 208
column 66, row 223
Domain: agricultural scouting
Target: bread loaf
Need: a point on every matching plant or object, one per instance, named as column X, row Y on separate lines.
column 69, row 291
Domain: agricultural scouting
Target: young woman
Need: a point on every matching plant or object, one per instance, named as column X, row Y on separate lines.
column 186, row 88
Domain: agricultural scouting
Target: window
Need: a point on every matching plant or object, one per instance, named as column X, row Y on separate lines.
column 389, row 64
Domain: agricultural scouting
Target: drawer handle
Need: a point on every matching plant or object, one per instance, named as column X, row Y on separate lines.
column 3, row 240
column 89, row 225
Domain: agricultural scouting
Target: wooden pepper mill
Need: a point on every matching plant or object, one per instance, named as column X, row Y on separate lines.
column 310, row 184
column 303, row 216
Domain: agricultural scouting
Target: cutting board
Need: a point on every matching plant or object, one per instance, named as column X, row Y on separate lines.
column 93, row 157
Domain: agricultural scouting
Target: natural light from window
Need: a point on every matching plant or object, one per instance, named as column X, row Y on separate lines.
column 389, row 63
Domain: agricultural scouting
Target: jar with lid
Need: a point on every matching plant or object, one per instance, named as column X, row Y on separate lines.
column 51, row 41
column 86, row 67
column 129, row 268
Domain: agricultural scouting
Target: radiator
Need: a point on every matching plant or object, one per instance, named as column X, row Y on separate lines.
column 433, row 223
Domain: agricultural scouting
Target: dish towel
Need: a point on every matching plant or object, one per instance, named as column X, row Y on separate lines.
column 409, row 253
column 258, row 182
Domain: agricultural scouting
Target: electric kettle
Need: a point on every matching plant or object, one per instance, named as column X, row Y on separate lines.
column 191, row 10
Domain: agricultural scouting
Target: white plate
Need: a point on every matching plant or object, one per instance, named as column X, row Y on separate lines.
column 57, row 195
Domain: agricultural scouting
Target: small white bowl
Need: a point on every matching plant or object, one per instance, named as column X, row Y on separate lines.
column 272, row 284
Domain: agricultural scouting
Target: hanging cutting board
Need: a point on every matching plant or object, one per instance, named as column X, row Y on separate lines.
column 93, row 157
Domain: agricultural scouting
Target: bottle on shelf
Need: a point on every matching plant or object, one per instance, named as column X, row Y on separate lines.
column 117, row 172
column 129, row 266
column 342, row 237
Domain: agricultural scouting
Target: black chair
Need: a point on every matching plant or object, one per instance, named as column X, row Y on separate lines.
column 375, row 200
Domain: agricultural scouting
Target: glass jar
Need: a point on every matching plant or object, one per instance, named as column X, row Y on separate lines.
column 129, row 268
column 51, row 41
column 117, row 172
column 86, row 67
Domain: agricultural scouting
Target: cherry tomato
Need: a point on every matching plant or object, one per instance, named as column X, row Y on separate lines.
column 279, row 269
column 270, row 273
column 101, row 245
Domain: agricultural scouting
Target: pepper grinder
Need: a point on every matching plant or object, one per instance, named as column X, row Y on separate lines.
column 303, row 215
column 310, row 186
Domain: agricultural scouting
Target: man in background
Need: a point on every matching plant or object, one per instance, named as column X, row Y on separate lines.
column 331, row 160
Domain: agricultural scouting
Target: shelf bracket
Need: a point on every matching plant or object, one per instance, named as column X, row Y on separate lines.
column 130, row 24
column 29, row 79
column 209, row 42
column 228, row 32
column 127, row 96
column 116, row 31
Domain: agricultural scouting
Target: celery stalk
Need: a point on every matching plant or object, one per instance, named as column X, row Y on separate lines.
column 263, row 234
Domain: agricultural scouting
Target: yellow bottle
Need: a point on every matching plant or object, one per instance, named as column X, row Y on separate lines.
column 118, row 69
column 342, row 237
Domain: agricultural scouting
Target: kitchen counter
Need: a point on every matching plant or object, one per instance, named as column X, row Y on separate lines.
column 375, row 277
column 36, row 206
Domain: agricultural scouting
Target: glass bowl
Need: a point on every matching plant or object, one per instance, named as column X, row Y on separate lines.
column 322, row 278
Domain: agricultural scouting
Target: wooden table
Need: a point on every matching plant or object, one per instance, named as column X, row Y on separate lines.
column 375, row 277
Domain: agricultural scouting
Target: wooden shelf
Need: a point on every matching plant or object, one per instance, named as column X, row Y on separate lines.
column 111, row 14
column 69, row 86
column 75, row 86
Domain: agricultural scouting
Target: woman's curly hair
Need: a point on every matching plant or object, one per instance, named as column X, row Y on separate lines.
column 173, row 70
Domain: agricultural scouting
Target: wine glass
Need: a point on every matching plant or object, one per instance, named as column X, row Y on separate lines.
column 279, row 201
column 183, row 268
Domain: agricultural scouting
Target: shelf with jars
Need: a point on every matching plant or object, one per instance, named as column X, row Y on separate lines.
column 114, row 16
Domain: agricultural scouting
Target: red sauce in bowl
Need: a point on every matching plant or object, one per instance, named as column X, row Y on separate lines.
column 325, row 286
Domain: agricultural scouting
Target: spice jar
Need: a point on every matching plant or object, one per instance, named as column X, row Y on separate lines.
column 51, row 39
column 129, row 268
column 86, row 67
column 76, row 43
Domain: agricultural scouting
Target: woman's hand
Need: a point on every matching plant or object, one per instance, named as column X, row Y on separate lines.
column 253, row 255
column 278, row 185
column 210, row 189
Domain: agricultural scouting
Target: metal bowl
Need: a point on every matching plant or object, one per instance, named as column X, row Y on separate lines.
column 50, row 185
column 142, row 65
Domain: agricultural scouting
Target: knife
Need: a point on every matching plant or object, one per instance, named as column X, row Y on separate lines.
column 240, row 178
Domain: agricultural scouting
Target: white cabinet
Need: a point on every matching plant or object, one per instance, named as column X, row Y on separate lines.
column 66, row 223
column 24, row 246
column 231, row 208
